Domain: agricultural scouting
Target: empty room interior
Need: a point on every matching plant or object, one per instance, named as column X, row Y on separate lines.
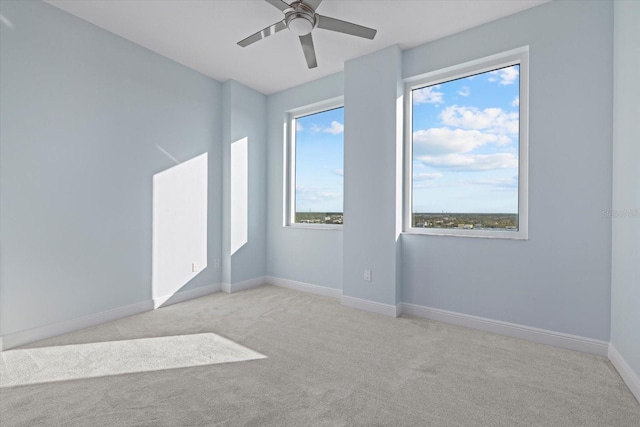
column 311, row 212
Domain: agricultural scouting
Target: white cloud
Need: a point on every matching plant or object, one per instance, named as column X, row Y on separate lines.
column 502, row 183
column 464, row 91
column 339, row 172
column 428, row 95
column 515, row 102
column 299, row 126
column 506, row 75
column 426, row 176
column 494, row 120
column 315, row 194
column 471, row 162
column 335, row 129
column 436, row 141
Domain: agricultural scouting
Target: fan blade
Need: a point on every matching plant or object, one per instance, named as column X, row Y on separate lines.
column 279, row 4
column 309, row 51
column 333, row 24
column 270, row 30
column 312, row 3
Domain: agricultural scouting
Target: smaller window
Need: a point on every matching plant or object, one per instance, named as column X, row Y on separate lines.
column 315, row 162
column 466, row 165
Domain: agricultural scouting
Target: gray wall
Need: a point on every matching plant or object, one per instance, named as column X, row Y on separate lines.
column 372, row 134
column 245, row 115
column 559, row 279
column 304, row 255
column 82, row 111
column 625, row 293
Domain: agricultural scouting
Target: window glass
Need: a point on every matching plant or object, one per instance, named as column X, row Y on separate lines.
column 465, row 136
column 318, row 167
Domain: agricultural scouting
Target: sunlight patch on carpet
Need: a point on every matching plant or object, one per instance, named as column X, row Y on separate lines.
column 79, row 361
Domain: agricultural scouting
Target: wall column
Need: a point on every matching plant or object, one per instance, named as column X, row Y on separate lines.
column 244, row 180
column 372, row 189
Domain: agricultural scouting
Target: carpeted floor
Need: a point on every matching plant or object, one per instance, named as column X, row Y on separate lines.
column 325, row 365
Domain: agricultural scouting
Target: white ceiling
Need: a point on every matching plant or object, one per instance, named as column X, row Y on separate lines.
column 202, row 34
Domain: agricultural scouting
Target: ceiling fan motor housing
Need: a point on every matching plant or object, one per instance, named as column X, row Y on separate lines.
column 300, row 19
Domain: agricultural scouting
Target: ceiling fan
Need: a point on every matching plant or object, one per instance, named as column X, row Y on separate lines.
column 300, row 18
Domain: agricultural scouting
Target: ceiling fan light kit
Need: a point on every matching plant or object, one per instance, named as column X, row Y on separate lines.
column 301, row 19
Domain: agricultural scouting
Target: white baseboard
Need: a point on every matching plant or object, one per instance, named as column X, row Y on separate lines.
column 241, row 286
column 186, row 295
column 36, row 334
column 361, row 304
column 304, row 287
column 372, row 306
column 628, row 375
column 542, row 336
column 19, row 338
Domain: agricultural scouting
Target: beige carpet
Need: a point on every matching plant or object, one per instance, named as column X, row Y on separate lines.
column 81, row 361
column 302, row 360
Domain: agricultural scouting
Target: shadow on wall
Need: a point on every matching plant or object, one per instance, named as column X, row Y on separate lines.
column 239, row 194
column 179, row 246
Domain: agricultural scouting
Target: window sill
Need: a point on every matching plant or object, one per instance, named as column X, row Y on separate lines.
column 315, row 227
column 508, row 235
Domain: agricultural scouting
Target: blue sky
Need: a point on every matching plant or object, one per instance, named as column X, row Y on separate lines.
column 319, row 162
column 465, row 149
column 465, row 144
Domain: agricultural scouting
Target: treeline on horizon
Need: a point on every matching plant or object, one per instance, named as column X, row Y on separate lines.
column 428, row 219
column 466, row 220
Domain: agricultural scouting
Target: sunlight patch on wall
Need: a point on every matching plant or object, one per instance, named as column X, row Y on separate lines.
column 80, row 361
column 179, row 225
column 5, row 22
column 239, row 194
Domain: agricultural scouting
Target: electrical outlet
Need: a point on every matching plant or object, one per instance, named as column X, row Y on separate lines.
column 194, row 267
column 216, row 263
column 367, row 275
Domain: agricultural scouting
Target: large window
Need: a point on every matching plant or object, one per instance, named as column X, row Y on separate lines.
column 467, row 149
column 315, row 166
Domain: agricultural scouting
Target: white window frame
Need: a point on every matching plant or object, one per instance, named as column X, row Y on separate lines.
column 517, row 56
column 290, row 162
